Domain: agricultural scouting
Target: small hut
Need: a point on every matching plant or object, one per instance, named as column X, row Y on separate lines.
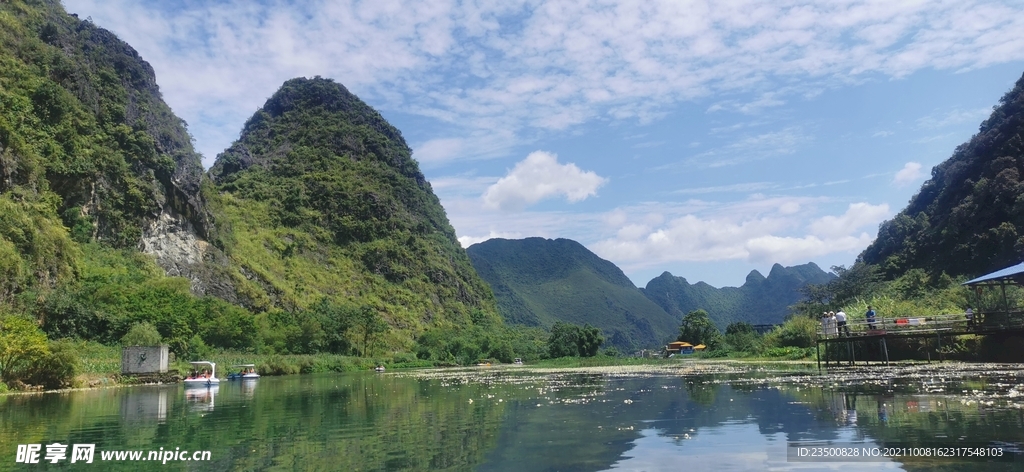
column 144, row 360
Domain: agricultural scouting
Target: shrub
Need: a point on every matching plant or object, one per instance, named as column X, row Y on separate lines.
column 22, row 344
column 141, row 334
column 795, row 332
column 788, row 352
column 56, row 369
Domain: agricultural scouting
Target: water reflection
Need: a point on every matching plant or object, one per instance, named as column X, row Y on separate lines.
column 145, row 405
column 497, row 421
column 248, row 387
column 201, row 398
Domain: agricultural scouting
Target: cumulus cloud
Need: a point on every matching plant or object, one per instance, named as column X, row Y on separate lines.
column 538, row 177
column 857, row 216
column 910, row 173
column 759, row 230
column 526, row 68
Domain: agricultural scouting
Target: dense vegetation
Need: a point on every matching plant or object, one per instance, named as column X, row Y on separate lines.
column 968, row 219
column 323, row 236
column 322, row 199
column 760, row 300
column 539, row 282
column 568, row 340
column 89, row 156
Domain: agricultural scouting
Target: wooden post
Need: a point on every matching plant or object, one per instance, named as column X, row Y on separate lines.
column 825, row 345
column 938, row 350
column 817, row 348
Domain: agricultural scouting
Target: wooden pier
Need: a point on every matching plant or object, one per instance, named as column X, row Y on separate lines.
column 936, row 327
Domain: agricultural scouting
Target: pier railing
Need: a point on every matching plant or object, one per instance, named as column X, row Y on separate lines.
column 982, row 323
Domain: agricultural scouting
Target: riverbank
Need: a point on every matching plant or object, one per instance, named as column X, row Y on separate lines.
column 100, row 367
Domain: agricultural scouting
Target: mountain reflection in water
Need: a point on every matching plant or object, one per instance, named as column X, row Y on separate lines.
column 514, row 419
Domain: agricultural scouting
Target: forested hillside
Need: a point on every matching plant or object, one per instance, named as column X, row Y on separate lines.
column 88, row 150
column 968, row 219
column 320, row 197
column 540, row 281
column 759, row 300
column 316, row 233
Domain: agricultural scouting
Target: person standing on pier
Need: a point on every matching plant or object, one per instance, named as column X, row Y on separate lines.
column 841, row 323
column 870, row 315
column 969, row 314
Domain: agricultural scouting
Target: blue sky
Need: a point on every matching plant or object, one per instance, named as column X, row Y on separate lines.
column 703, row 138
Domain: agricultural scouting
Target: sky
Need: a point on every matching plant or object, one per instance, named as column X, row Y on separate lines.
column 703, row 138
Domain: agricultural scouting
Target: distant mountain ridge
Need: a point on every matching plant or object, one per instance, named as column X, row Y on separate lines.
column 538, row 281
column 760, row 300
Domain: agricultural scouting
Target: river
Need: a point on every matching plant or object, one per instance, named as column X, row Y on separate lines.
column 710, row 416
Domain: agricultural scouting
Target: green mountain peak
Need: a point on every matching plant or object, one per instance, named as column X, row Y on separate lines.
column 540, row 281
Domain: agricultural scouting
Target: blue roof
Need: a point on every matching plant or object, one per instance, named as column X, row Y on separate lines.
column 1007, row 273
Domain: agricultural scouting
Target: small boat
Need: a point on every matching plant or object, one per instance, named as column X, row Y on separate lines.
column 379, row 368
column 204, row 374
column 245, row 372
column 518, row 361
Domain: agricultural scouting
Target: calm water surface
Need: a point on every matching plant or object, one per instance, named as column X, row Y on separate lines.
column 721, row 417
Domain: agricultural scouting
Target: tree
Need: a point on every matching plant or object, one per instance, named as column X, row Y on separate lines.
column 563, row 340
column 589, row 341
column 741, row 336
column 739, row 327
column 22, row 343
column 141, row 334
column 697, row 328
column 335, row 320
column 569, row 340
column 372, row 326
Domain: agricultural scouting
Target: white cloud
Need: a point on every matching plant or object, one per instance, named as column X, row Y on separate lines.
column 439, row 150
column 910, row 173
column 526, row 68
column 739, row 188
column 954, row 117
column 538, row 177
column 751, row 148
column 772, row 249
column 857, row 216
column 757, row 230
column 460, row 185
column 467, row 241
